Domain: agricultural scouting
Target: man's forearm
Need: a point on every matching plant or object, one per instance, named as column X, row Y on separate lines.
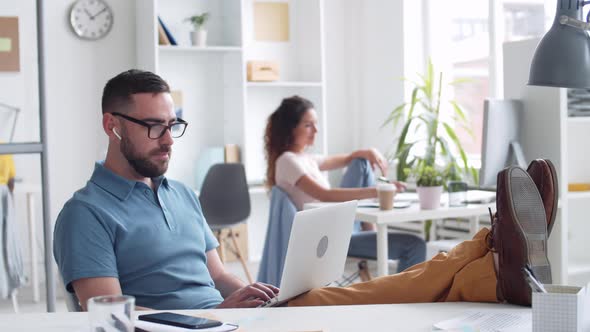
column 227, row 283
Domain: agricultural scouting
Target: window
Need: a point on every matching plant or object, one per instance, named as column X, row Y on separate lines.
column 464, row 40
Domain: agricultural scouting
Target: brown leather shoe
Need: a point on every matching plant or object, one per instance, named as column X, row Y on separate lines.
column 519, row 235
column 544, row 175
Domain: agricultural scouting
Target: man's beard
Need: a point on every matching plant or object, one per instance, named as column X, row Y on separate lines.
column 142, row 164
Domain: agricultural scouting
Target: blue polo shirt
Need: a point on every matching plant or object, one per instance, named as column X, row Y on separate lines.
column 154, row 242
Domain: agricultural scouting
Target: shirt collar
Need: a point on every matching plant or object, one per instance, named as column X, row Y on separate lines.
column 116, row 184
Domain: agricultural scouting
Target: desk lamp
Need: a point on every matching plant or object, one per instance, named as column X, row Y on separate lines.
column 562, row 58
column 16, row 111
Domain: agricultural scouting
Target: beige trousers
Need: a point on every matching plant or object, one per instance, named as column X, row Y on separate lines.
column 466, row 273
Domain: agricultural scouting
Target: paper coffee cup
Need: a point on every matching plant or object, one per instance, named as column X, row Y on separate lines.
column 386, row 192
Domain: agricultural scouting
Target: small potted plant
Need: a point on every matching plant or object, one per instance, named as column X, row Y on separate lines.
column 429, row 185
column 199, row 34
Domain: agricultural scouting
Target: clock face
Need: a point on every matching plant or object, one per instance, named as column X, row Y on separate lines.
column 91, row 19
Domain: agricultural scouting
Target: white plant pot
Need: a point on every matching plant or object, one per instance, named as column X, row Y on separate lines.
column 429, row 197
column 199, row 38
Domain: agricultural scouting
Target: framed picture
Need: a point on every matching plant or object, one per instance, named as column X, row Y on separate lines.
column 9, row 47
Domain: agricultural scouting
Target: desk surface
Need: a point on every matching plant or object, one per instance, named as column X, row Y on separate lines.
column 413, row 212
column 390, row 317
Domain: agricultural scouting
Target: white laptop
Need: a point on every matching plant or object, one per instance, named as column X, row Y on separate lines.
column 318, row 246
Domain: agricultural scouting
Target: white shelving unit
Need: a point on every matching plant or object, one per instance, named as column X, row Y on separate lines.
column 583, row 195
column 579, row 119
column 285, row 84
column 221, row 106
column 548, row 132
column 171, row 49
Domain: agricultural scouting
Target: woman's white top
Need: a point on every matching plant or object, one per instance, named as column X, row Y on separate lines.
column 291, row 166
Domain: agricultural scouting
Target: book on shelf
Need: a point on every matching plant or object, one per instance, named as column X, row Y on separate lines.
column 162, row 38
column 167, row 32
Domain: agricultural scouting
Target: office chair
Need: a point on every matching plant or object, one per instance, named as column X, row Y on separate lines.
column 71, row 299
column 225, row 201
column 280, row 221
column 72, row 302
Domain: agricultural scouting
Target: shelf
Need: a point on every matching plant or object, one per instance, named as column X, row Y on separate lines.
column 178, row 49
column 578, row 195
column 285, row 84
column 578, row 119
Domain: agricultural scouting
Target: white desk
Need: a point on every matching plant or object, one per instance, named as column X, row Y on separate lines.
column 390, row 317
column 413, row 213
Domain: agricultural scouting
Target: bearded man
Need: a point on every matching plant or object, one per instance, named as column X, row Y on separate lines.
column 131, row 230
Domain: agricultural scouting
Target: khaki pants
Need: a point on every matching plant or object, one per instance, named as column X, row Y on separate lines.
column 466, row 273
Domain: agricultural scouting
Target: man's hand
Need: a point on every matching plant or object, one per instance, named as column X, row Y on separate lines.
column 250, row 296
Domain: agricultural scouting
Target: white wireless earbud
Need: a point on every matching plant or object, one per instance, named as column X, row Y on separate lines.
column 116, row 133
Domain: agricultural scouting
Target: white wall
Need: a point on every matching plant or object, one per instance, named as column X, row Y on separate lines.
column 76, row 72
column 381, row 69
column 364, row 66
column 339, row 49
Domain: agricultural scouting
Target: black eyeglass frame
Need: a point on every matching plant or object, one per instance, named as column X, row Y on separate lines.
column 149, row 126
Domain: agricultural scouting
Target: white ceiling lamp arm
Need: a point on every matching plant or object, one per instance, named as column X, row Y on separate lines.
column 574, row 23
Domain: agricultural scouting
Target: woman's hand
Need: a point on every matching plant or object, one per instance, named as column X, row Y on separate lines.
column 376, row 159
column 400, row 186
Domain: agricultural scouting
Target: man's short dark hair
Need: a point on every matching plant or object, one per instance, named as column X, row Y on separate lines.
column 117, row 92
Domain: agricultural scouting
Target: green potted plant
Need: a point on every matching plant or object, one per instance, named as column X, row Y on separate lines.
column 429, row 185
column 436, row 142
column 199, row 35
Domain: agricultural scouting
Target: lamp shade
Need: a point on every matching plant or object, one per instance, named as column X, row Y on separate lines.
column 562, row 58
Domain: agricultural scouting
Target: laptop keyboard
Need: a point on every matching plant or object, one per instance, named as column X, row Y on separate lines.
column 268, row 303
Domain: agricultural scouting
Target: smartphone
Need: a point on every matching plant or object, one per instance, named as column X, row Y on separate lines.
column 187, row 322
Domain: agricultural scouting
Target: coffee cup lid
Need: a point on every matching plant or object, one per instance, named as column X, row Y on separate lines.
column 386, row 187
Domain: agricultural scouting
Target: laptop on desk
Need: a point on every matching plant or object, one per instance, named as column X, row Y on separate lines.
column 318, row 246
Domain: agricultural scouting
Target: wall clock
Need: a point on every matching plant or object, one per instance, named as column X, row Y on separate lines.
column 91, row 19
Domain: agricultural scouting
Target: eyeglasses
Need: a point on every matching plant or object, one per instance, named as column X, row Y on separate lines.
column 157, row 130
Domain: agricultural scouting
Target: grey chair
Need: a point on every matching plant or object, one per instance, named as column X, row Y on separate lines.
column 71, row 299
column 72, row 302
column 225, row 201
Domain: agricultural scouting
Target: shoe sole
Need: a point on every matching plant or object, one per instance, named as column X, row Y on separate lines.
column 547, row 163
column 555, row 196
column 528, row 211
